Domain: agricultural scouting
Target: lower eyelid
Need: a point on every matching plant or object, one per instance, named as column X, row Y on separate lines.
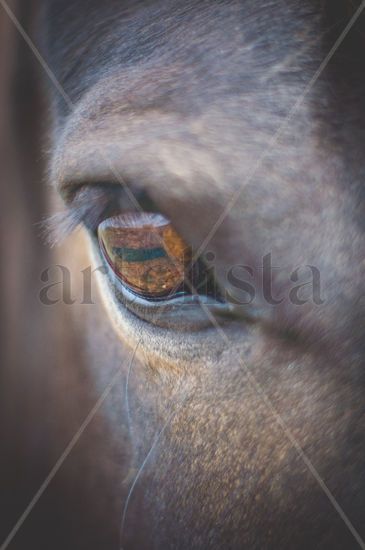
column 182, row 312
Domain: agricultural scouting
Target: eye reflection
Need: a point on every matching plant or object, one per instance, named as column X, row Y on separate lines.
column 146, row 253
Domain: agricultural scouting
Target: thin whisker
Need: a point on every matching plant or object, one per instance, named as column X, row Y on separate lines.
column 126, row 392
column 141, row 468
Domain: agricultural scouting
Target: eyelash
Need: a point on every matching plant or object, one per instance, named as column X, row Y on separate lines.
column 88, row 205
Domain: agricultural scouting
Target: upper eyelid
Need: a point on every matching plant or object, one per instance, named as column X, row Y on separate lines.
column 91, row 162
column 81, row 208
column 90, row 204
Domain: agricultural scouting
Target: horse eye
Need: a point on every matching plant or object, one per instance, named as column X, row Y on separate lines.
column 146, row 254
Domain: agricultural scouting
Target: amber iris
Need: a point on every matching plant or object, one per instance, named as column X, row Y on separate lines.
column 145, row 252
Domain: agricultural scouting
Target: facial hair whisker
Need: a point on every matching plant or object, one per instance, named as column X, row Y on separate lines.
column 141, row 468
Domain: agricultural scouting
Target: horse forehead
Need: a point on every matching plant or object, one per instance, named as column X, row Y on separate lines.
column 88, row 39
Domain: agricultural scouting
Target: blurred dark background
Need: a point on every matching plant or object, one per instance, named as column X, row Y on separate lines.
column 40, row 409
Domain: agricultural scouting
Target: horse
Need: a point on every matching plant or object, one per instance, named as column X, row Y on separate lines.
column 200, row 320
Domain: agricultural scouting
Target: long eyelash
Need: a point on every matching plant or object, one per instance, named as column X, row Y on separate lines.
column 56, row 228
column 89, row 206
